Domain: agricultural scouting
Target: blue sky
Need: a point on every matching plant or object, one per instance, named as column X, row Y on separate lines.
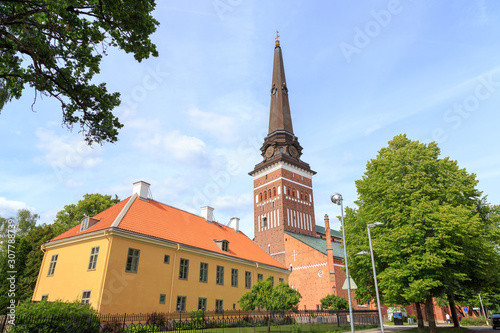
column 358, row 74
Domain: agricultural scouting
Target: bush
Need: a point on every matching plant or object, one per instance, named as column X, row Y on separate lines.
column 296, row 328
column 473, row 321
column 56, row 316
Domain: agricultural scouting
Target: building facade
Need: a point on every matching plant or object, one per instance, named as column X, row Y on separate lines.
column 284, row 220
column 144, row 256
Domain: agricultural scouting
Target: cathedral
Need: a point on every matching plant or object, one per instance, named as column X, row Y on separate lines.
column 284, row 221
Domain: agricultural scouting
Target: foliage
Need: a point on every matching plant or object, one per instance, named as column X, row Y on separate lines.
column 334, row 302
column 55, row 317
column 433, row 231
column 473, row 321
column 56, row 47
column 197, row 319
column 90, row 205
column 28, row 259
column 263, row 295
column 24, row 220
column 296, row 328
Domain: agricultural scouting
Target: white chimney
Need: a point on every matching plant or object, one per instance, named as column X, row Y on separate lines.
column 207, row 213
column 141, row 188
column 234, row 223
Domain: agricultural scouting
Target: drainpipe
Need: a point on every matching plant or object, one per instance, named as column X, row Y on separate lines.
column 172, row 283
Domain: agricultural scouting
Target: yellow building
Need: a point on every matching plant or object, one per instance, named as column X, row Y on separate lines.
column 144, row 256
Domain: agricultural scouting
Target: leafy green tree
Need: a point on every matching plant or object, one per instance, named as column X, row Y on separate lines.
column 90, row 205
column 334, row 302
column 26, row 263
column 24, row 221
column 432, row 230
column 264, row 296
column 56, row 48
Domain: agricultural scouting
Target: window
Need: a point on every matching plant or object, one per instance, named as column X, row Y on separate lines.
column 234, row 277
column 203, row 272
column 202, row 303
column 181, row 303
column 85, row 297
column 184, row 269
column 219, row 305
column 225, row 245
column 132, row 260
column 220, row 275
column 248, row 280
column 162, row 298
column 45, row 297
column 85, row 224
column 93, row 257
column 318, row 307
column 264, row 221
column 274, row 191
column 272, row 280
column 281, row 280
column 260, row 277
column 166, row 259
column 52, row 267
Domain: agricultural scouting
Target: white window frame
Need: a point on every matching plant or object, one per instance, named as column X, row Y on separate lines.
column 94, row 254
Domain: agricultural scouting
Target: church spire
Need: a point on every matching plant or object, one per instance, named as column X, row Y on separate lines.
column 279, row 117
column 280, row 145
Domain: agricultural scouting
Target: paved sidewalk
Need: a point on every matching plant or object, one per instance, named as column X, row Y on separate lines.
column 389, row 328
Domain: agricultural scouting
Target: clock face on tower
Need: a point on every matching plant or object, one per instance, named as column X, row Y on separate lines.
column 269, row 151
column 293, row 151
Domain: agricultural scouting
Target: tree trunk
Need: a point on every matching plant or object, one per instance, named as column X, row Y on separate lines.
column 453, row 310
column 420, row 318
column 429, row 307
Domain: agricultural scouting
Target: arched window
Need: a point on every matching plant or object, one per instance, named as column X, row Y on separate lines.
column 269, row 193
column 265, row 195
column 301, row 195
column 293, row 191
column 260, row 196
column 288, row 191
column 274, row 191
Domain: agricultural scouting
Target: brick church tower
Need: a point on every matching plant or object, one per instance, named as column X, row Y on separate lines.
column 283, row 194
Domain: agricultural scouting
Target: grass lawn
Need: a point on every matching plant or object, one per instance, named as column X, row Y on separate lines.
column 305, row 328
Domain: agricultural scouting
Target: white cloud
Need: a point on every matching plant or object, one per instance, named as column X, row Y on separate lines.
column 220, row 126
column 65, row 152
column 183, row 148
column 9, row 208
column 233, row 202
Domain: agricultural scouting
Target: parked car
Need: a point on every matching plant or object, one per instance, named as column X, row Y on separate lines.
column 495, row 320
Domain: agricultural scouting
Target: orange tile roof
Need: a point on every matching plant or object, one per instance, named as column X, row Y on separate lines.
column 153, row 218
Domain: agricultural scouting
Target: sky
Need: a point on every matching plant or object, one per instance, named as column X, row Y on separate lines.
column 358, row 74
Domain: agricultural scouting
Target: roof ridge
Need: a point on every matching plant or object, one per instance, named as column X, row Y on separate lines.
column 124, row 211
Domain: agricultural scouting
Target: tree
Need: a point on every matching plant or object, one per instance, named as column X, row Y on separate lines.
column 334, row 302
column 24, row 221
column 56, row 48
column 264, row 296
column 26, row 264
column 429, row 207
column 90, row 205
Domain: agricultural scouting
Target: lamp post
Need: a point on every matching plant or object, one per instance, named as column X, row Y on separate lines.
column 374, row 271
column 338, row 200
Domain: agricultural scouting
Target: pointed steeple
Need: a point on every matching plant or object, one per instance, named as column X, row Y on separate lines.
column 279, row 117
column 280, row 144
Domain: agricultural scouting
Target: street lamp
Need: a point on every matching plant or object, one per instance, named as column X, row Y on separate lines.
column 376, row 224
column 338, row 200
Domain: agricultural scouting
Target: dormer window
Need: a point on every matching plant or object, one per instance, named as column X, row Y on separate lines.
column 223, row 245
column 87, row 222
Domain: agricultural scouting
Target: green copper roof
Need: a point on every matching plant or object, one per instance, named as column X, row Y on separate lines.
column 318, row 244
column 322, row 230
